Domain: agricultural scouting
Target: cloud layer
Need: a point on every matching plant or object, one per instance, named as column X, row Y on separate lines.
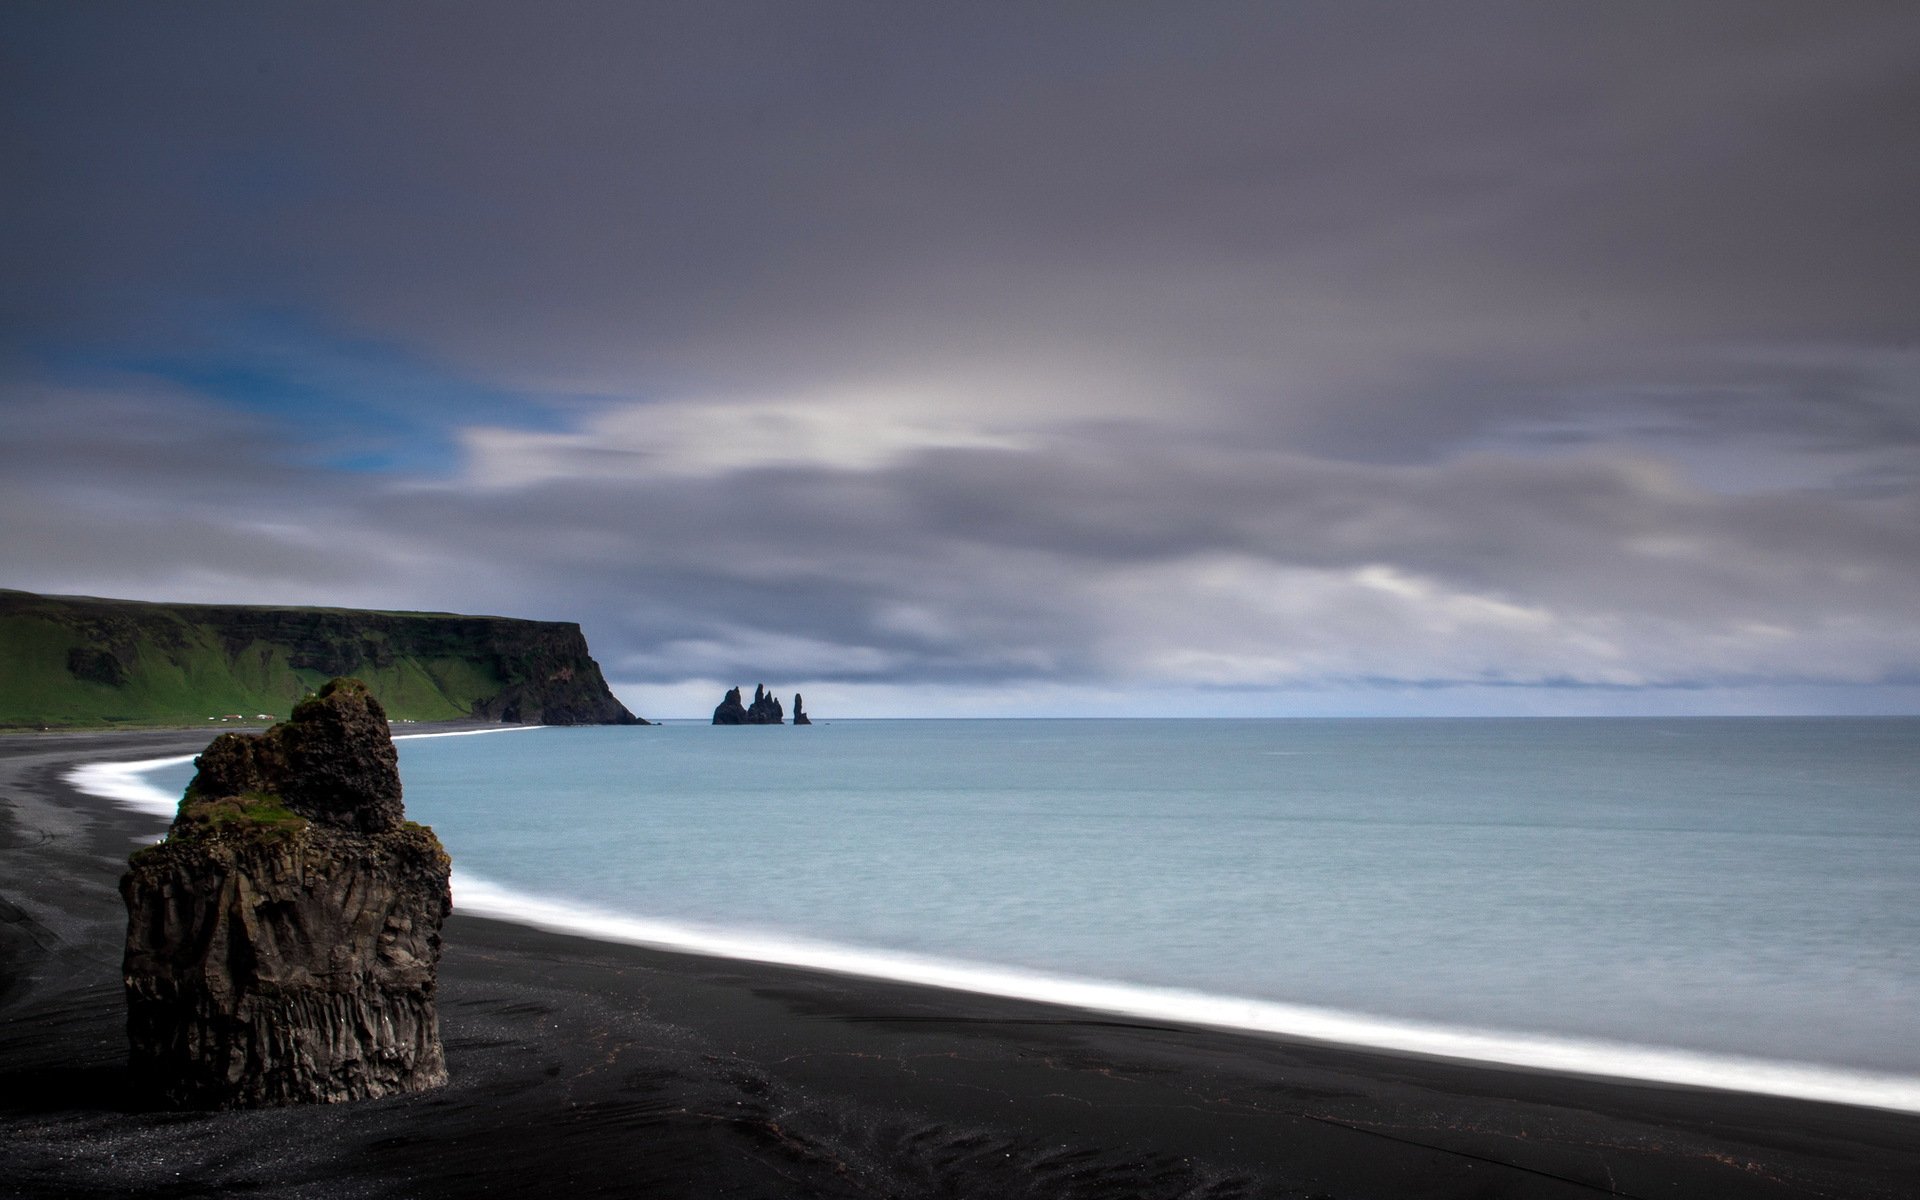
column 1088, row 355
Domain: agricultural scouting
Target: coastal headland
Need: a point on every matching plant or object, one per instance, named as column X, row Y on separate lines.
column 610, row 1070
column 88, row 662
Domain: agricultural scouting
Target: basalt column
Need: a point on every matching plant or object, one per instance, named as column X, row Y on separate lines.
column 282, row 941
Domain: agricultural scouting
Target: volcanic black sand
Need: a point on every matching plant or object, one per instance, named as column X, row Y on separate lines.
column 586, row 1069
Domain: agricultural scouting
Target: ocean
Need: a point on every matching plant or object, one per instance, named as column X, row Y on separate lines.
column 1729, row 902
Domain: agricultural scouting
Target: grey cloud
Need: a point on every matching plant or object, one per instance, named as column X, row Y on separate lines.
column 1001, row 560
column 1589, row 330
column 1104, row 560
column 151, row 494
column 1315, row 192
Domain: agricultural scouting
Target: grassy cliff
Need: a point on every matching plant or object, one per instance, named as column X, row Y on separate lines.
column 73, row 661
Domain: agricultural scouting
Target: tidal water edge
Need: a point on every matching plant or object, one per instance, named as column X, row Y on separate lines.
column 1727, row 902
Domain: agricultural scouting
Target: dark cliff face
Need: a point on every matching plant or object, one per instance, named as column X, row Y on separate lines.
column 282, row 941
column 88, row 660
column 550, row 679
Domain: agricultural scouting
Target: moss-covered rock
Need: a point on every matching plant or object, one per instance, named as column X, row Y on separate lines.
column 203, row 817
column 282, row 941
column 333, row 761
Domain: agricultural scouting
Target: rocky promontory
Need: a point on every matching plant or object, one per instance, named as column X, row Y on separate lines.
column 765, row 709
column 282, row 942
column 85, row 661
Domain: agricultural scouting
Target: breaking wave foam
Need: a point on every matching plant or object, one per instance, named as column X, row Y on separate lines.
column 127, row 783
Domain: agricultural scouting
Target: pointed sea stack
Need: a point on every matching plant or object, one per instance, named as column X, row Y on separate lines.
column 731, row 711
column 800, row 716
column 765, row 710
column 282, row 941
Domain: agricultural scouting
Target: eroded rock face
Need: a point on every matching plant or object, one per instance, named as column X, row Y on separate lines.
column 800, row 716
column 282, row 942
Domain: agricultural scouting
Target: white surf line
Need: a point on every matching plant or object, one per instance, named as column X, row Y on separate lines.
column 408, row 737
column 1615, row 1060
column 126, row 783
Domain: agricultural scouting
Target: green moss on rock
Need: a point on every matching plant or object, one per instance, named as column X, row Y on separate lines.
column 260, row 812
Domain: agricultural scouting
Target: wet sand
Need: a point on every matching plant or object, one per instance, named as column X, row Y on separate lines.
column 585, row 1068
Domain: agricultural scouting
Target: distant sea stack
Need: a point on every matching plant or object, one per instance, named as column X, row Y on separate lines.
column 77, row 660
column 730, row 711
column 282, row 942
column 765, row 709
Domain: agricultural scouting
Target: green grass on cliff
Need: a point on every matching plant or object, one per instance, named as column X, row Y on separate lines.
column 70, row 663
column 256, row 812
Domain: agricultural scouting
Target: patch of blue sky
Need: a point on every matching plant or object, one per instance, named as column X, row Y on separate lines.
column 340, row 401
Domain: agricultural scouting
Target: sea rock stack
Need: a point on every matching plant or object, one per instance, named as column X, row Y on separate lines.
column 282, row 942
column 765, row 709
column 800, row 716
column 731, row 711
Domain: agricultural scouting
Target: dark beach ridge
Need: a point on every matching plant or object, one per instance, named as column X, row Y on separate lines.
column 603, row 1069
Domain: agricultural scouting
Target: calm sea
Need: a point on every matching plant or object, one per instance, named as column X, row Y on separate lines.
column 1700, row 900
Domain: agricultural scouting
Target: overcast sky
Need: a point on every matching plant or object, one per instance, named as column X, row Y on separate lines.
column 956, row 359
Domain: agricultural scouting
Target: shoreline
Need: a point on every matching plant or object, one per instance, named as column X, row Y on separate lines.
column 728, row 1075
column 1557, row 1054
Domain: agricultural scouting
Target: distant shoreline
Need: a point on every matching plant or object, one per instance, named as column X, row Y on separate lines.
column 621, row 1070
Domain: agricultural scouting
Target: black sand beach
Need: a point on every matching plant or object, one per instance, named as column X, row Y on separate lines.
column 582, row 1068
